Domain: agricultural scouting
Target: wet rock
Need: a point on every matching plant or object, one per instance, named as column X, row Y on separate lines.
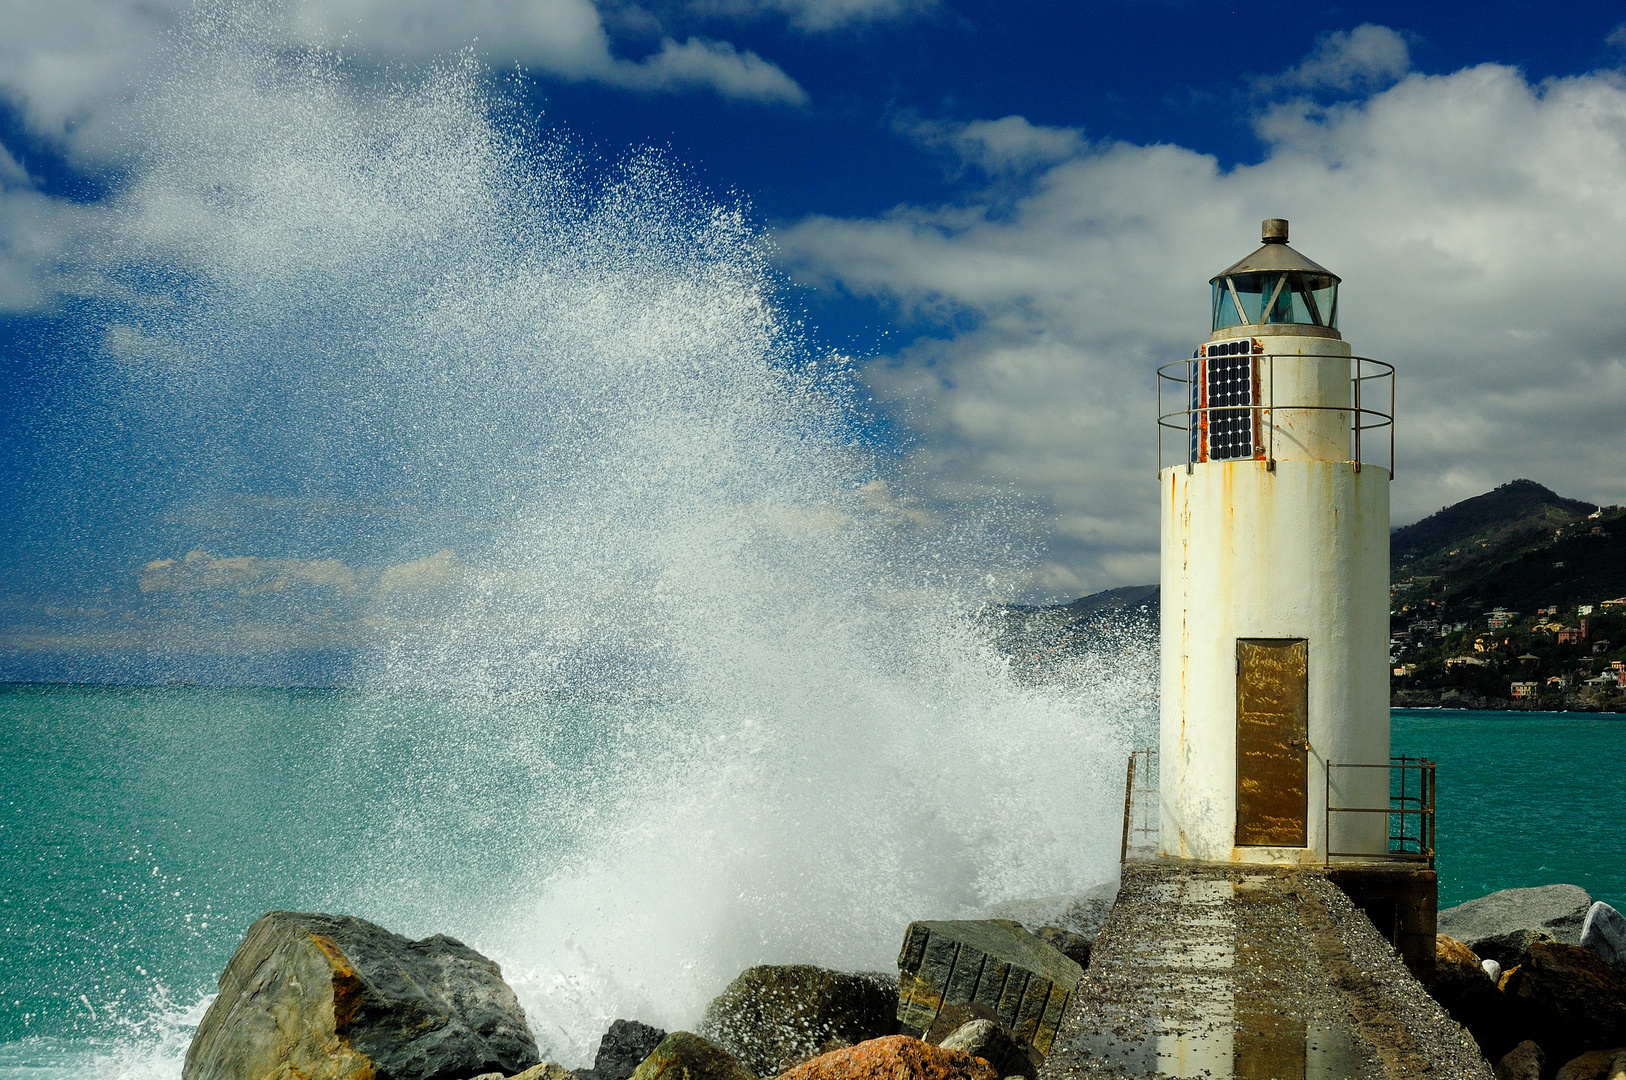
column 950, row 973
column 774, row 1016
column 1567, row 999
column 1468, row 993
column 987, row 1040
column 896, row 1057
column 1604, row 933
column 1523, row 1062
column 1554, row 909
column 622, row 1050
column 1076, row 947
column 1593, row 1065
column 332, row 997
column 683, row 1055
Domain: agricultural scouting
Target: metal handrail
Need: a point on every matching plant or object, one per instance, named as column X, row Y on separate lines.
column 1404, row 805
column 1355, row 409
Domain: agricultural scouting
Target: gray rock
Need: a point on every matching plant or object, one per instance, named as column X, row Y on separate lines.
column 1604, row 933
column 1554, row 909
column 775, row 1016
column 991, row 1042
column 332, row 997
column 950, row 973
column 622, row 1050
column 1523, row 1062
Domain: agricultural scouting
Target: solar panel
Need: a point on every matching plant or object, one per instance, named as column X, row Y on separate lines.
column 1223, row 384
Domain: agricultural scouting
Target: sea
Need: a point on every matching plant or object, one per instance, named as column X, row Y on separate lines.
column 144, row 828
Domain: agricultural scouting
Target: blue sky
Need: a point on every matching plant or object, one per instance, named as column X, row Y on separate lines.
column 1003, row 214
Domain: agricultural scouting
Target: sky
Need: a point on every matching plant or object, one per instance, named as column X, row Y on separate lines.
column 1000, row 217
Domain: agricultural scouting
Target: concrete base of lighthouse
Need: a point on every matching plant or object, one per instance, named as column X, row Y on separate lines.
column 1293, row 558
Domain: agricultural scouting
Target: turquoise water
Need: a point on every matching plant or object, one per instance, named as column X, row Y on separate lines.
column 1525, row 798
column 616, row 857
column 143, row 829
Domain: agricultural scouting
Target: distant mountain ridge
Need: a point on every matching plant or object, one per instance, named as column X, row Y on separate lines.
column 1499, row 509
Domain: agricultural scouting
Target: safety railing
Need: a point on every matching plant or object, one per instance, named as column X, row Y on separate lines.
column 1141, row 812
column 1410, row 813
column 1363, row 419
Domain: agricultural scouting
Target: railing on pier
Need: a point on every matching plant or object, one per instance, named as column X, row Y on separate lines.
column 1142, row 823
column 1410, row 812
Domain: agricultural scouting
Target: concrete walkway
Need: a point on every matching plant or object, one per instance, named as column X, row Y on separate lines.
column 1256, row 973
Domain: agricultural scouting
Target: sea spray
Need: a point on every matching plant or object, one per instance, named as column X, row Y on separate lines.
column 641, row 542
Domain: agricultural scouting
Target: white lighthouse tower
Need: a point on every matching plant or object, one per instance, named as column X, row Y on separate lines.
column 1275, row 576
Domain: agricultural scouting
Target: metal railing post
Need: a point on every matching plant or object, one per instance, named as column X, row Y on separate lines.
column 1129, row 795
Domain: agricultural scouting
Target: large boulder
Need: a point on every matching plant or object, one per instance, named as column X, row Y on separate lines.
column 1604, row 932
column 896, row 1057
column 1076, row 947
column 1470, row 995
column 1567, row 999
column 774, row 1016
column 1508, row 950
column 332, row 997
column 683, row 1055
column 622, row 1050
column 950, row 973
column 1493, row 925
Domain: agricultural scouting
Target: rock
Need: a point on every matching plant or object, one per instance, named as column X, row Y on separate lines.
column 622, row 1050
column 332, row 997
column 1082, row 914
column 1493, row 969
column 1509, row 949
column 1604, row 932
column 896, row 1057
column 953, row 972
column 1592, row 1065
column 1568, row 999
column 1556, row 909
column 686, row 1056
column 772, row 1017
column 1523, row 1062
column 1470, row 995
column 987, row 1040
column 1076, row 947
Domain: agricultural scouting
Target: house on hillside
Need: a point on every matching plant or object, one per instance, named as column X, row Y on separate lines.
column 1459, row 661
column 1524, row 690
column 1571, row 635
column 1500, row 617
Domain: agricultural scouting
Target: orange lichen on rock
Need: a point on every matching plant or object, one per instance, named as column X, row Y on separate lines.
column 896, row 1057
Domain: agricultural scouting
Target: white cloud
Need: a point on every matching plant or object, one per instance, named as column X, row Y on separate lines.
column 1364, row 58
column 817, row 15
column 1477, row 221
column 71, row 66
column 714, row 64
column 1008, row 145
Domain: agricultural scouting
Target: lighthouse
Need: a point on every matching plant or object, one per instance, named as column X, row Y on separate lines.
column 1274, row 727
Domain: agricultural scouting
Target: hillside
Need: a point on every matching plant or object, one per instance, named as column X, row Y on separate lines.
column 1515, row 510
column 1547, row 562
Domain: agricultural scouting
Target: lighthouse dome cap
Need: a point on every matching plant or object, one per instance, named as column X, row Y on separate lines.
column 1274, row 256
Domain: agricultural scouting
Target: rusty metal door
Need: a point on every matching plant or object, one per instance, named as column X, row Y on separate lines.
column 1272, row 733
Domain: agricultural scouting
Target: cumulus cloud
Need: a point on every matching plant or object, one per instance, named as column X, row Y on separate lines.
column 1010, row 144
column 442, row 570
column 1477, row 220
column 818, row 15
column 70, row 66
column 1364, row 58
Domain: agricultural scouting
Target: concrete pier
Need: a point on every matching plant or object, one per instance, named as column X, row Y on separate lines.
column 1252, row 972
